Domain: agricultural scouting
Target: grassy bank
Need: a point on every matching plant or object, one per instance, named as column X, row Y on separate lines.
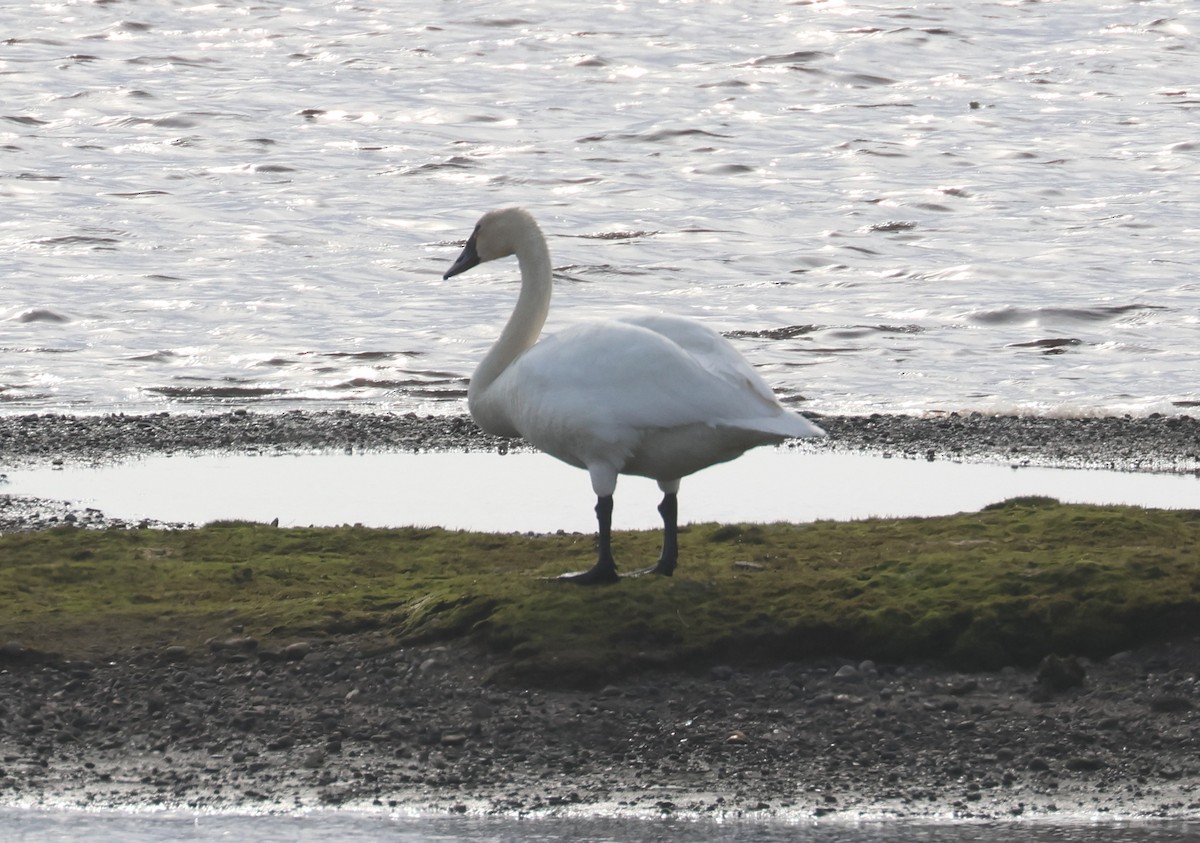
column 981, row 590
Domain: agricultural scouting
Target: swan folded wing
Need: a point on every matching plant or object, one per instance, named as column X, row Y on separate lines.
column 611, row 378
column 715, row 354
column 709, row 350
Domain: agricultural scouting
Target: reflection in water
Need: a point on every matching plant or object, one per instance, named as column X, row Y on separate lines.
column 531, row 492
column 60, row 826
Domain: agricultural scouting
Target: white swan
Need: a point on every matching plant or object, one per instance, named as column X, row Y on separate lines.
column 656, row 396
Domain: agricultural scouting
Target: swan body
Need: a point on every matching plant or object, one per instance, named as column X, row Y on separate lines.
column 655, row 396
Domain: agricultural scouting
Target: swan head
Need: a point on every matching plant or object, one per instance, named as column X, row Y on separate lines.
column 498, row 234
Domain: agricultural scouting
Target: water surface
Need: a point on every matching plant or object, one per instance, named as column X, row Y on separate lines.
column 532, row 492
column 69, row 826
column 888, row 206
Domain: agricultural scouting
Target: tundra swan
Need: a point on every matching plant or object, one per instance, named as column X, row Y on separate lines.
column 656, row 396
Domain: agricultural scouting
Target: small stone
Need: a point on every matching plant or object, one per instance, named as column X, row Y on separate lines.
column 737, row 737
column 847, row 673
column 174, row 653
column 13, row 651
column 454, row 739
column 297, row 651
column 314, row 759
column 1084, row 764
column 481, row 711
column 961, row 689
column 1057, row 673
column 1170, row 704
column 232, row 645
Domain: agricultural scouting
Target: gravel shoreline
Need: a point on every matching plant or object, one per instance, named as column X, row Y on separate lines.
column 1154, row 443
column 350, row 721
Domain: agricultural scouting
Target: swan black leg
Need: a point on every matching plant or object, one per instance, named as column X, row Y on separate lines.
column 605, row 569
column 665, row 567
column 669, row 510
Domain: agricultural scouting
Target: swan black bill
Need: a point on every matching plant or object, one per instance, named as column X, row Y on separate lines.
column 466, row 259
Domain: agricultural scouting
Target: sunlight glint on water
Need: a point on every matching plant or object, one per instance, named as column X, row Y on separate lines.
column 891, row 208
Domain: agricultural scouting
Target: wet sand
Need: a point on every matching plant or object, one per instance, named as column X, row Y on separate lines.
column 351, row 721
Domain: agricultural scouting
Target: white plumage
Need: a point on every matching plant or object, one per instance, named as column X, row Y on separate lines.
column 656, row 396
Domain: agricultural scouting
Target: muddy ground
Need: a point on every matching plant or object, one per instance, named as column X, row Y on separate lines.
column 351, row 721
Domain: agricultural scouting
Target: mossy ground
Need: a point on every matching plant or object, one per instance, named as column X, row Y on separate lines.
column 1003, row 586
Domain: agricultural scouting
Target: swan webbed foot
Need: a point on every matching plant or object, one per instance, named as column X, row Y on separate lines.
column 604, row 572
column 662, row 568
column 597, row 575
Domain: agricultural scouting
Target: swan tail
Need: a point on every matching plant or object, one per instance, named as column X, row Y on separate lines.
column 786, row 425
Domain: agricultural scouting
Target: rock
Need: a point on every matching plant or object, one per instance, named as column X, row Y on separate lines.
column 14, row 651
column 174, row 653
column 1057, row 673
column 481, row 711
column 1170, row 704
column 737, row 737
column 314, row 759
column 232, row 645
column 961, row 689
column 297, row 651
column 453, row 739
column 848, row 673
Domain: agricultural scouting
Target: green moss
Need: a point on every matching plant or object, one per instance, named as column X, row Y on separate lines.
column 1003, row 586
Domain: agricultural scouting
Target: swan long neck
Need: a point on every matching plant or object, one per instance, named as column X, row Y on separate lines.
column 525, row 323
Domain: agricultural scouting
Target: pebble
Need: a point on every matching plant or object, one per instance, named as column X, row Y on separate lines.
column 297, row 651
column 232, row 645
column 1058, row 673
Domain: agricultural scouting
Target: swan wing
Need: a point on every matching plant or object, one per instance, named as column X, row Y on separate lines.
column 717, row 356
column 650, row 373
column 708, row 349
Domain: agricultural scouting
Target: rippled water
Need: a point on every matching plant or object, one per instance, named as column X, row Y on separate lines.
column 889, row 206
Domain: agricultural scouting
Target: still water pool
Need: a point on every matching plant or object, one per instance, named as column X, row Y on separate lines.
column 77, row 827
